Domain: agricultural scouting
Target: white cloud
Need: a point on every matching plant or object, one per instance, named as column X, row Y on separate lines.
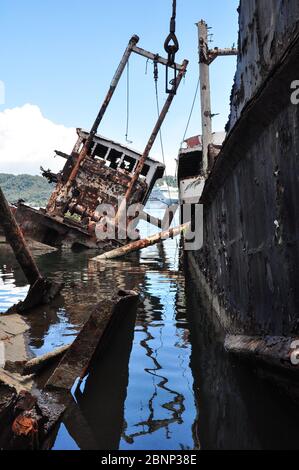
column 28, row 141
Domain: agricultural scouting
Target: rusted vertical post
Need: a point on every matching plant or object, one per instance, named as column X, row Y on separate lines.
column 151, row 142
column 205, row 92
column 133, row 41
column 17, row 241
column 86, row 147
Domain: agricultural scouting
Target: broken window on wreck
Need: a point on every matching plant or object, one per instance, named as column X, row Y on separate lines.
column 128, row 163
column 145, row 170
column 113, row 159
column 100, row 151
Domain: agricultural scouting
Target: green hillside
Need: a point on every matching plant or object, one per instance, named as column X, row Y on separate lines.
column 34, row 190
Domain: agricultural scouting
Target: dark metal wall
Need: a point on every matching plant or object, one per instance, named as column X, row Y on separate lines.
column 251, row 227
column 267, row 28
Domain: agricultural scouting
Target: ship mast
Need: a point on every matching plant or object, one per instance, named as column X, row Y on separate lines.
column 205, row 92
column 206, row 57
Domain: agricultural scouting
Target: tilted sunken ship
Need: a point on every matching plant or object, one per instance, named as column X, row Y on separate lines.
column 99, row 172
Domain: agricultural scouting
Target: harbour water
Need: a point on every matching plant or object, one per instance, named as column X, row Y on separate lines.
column 163, row 381
column 141, row 394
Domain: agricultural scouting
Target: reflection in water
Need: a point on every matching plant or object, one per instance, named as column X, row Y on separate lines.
column 138, row 395
column 13, row 286
column 175, row 406
column 236, row 409
column 99, row 408
column 143, row 392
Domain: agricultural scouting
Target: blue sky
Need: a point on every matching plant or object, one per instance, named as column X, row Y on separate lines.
column 61, row 56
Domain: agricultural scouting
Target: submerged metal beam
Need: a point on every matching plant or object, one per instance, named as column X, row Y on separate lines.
column 16, row 239
column 77, row 359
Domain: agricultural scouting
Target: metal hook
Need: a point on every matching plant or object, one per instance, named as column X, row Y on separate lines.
column 171, row 49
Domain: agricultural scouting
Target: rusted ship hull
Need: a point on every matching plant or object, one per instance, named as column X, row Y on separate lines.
column 247, row 269
column 52, row 231
column 37, row 226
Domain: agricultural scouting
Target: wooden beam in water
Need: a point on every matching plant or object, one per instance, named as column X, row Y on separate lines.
column 140, row 244
column 41, row 362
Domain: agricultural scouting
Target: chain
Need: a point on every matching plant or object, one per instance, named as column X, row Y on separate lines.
column 171, row 47
column 171, row 44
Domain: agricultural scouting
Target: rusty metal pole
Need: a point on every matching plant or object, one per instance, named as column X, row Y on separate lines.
column 205, row 92
column 59, row 211
column 150, row 143
column 133, row 41
column 140, row 244
column 16, row 239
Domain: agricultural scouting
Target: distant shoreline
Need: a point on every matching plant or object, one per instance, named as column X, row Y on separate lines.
column 36, row 190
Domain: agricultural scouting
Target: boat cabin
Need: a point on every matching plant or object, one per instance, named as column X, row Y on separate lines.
column 103, row 177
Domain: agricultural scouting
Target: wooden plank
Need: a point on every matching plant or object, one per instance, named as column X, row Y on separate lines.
column 38, row 363
column 140, row 244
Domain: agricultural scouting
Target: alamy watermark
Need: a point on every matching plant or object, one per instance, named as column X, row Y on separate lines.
column 295, row 93
column 128, row 218
column 2, row 92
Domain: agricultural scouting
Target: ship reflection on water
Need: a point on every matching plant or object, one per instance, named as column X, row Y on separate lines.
column 162, row 380
column 237, row 408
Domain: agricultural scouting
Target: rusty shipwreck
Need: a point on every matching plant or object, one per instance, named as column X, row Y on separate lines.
column 99, row 172
column 102, row 178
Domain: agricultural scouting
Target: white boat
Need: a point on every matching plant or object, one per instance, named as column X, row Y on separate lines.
column 170, row 194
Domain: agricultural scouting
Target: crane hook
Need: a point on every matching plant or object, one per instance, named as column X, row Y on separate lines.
column 171, row 46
